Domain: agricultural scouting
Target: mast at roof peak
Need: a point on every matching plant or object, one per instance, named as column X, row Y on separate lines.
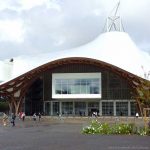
column 114, row 20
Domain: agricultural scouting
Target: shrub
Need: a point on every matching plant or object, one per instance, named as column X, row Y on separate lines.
column 143, row 131
column 122, row 129
column 96, row 127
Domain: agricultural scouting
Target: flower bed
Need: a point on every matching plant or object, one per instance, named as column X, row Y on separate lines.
column 104, row 128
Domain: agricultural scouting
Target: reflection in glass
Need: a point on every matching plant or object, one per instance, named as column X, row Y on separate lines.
column 67, row 108
column 107, row 109
column 80, row 108
column 77, row 86
column 122, row 108
column 133, row 108
column 55, row 108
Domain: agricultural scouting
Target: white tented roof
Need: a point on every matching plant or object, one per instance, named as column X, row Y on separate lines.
column 115, row 48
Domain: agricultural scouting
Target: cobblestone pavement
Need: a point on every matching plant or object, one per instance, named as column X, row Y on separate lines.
column 60, row 135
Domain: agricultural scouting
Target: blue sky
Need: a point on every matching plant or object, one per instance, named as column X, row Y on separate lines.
column 40, row 26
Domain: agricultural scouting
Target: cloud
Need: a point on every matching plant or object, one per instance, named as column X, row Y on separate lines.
column 11, row 30
column 36, row 26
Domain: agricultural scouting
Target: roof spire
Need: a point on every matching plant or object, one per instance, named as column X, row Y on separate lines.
column 114, row 20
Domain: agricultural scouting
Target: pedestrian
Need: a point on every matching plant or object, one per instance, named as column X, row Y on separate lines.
column 137, row 115
column 34, row 116
column 20, row 115
column 23, row 116
column 93, row 114
column 5, row 119
column 39, row 116
column 13, row 117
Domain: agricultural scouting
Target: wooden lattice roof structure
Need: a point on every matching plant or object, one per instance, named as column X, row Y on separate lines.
column 19, row 85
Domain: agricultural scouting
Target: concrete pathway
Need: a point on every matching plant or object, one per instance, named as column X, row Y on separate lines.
column 44, row 135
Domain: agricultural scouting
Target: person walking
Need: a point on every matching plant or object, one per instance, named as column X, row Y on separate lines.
column 5, row 119
column 23, row 116
column 39, row 116
column 137, row 115
column 34, row 116
column 13, row 117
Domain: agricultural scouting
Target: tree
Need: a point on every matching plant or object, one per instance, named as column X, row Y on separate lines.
column 143, row 95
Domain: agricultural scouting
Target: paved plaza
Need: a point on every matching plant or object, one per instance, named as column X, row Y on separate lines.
column 61, row 135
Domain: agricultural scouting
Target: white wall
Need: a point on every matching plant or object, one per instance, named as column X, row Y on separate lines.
column 6, row 68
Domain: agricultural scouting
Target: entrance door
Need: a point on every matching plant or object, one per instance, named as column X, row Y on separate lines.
column 55, row 108
column 48, row 108
column 67, row 108
column 93, row 107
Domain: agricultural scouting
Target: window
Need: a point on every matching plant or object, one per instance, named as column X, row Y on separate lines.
column 107, row 109
column 76, row 85
column 133, row 108
column 55, row 108
column 47, row 108
column 80, row 108
column 122, row 108
column 67, row 108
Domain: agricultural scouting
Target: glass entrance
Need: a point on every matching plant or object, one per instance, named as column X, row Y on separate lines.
column 93, row 107
column 55, row 108
column 80, row 108
column 121, row 108
column 67, row 108
column 47, row 108
column 107, row 108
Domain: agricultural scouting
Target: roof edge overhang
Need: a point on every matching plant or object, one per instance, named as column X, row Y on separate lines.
column 23, row 81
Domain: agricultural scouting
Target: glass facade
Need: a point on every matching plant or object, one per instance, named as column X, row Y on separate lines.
column 80, row 89
column 77, row 86
column 80, row 108
column 107, row 108
column 93, row 107
column 47, row 108
column 34, row 98
column 121, row 108
column 67, row 108
column 133, row 108
column 56, row 108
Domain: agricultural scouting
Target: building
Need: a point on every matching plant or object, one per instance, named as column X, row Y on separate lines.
column 97, row 77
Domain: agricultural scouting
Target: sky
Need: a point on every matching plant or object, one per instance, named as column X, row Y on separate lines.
column 30, row 27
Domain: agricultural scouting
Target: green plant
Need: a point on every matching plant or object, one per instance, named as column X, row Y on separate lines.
column 122, row 129
column 96, row 127
column 142, row 95
column 143, row 131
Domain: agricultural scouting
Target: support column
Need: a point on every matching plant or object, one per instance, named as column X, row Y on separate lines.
column 10, row 107
column 100, row 108
column 60, row 108
column 129, row 109
column 51, row 108
column 44, row 107
column 73, row 111
column 114, row 108
column 86, row 110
